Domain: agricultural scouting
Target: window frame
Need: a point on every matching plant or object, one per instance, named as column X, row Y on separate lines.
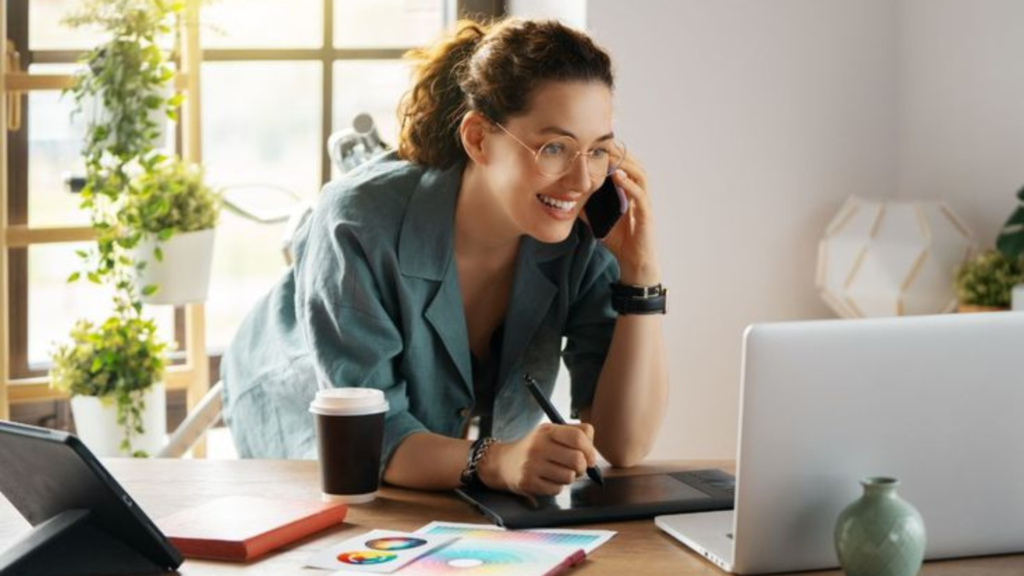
column 17, row 153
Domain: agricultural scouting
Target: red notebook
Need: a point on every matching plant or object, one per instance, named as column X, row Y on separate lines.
column 242, row 528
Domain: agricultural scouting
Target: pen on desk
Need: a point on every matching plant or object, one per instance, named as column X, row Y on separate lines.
column 593, row 471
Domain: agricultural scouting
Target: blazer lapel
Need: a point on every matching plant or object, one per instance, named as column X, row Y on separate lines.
column 533, row 292
column 445, row 313
column 425, row 251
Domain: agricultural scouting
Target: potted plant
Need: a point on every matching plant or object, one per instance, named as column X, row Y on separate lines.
column 984, row 283
column 113, row 372
column 1011, row 244
column 125, row 89
column 174, row 214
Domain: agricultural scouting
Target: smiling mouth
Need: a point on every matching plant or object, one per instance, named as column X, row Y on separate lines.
column 562, row 205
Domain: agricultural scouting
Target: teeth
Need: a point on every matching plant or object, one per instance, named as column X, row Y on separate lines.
column 559, row 204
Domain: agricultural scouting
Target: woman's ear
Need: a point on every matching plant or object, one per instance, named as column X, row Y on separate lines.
column 473, row 131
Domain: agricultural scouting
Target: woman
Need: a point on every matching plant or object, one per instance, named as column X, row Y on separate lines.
column 444, row 273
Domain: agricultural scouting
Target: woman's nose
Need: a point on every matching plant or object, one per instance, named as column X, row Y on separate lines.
column 579, row 173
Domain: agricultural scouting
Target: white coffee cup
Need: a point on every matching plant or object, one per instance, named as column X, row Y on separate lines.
column 350, row 433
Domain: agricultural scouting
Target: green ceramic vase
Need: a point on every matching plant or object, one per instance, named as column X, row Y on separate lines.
column 880, row 534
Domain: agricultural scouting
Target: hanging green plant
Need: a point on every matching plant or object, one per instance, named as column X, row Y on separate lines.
column 116, row 361
column 126, row 81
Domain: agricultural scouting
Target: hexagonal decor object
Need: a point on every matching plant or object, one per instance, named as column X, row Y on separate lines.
column 891, row 258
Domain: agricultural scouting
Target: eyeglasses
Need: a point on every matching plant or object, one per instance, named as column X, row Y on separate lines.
column 556, row 158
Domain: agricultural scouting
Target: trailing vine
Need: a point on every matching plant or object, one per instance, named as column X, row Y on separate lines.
column 126, row 84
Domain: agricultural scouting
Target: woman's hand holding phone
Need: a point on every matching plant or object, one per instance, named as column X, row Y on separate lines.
column 631, row 239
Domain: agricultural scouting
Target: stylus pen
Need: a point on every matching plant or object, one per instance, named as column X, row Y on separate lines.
column 593, row 471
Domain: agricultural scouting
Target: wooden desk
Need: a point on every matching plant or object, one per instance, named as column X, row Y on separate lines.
column 165, row 486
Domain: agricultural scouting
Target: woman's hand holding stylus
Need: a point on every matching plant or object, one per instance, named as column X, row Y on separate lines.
column 541, row 463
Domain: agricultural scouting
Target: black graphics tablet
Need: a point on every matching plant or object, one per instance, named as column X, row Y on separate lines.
column 621, row 498
column 83, row 520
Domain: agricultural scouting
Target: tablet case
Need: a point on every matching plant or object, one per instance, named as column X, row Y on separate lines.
column 83, row 521
column 621, row 498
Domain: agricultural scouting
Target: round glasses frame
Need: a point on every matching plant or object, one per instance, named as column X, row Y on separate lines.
column 614, row 164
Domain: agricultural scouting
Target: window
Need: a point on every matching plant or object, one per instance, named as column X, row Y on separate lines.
column 275, row 84
column 277, row 78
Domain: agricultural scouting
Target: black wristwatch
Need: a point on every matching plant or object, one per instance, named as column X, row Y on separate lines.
column 634, row 299
column 470, row 478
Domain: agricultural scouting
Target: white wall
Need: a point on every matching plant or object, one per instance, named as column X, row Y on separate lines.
column 569, row 12
column 962, row 107
column 755, row 120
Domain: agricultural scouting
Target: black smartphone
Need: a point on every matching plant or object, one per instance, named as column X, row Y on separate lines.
column 604, row 208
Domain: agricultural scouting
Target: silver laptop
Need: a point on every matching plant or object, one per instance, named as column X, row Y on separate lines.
column 936, row 401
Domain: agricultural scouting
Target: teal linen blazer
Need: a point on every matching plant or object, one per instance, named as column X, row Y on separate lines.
column 373, row 300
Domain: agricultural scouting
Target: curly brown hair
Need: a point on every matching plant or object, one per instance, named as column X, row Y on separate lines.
column 493, row 69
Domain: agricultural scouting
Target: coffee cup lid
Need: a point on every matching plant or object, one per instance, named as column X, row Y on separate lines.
column 349, row 401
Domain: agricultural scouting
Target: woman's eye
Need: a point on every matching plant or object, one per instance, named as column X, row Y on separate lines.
column 553, row 149
column 600, row 153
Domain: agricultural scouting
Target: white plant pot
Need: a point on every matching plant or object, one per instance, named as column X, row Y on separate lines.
column 183, row 276
column 1018, row 297
column 96, row 423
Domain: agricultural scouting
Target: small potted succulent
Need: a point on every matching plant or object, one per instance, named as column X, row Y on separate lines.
column 173, row 214
column 984, row 283
column 113, row 372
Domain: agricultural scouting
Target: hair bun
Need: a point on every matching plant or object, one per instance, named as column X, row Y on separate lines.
column 490, row 68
